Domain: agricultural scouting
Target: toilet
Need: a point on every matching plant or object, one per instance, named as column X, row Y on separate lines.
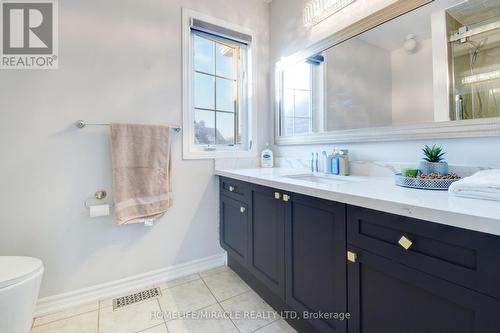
column 20, row 279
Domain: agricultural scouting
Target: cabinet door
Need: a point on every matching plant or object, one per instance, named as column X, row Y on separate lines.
column 234, row 228
column 267, row 238
column 385, row 296
column 315, row 259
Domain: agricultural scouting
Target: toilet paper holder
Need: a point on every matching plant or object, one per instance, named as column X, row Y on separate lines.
column 98, row 195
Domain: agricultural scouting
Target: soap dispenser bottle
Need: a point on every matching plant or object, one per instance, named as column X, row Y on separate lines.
column 267, row 157
column 344, row 162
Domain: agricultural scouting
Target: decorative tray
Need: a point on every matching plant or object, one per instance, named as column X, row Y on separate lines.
column 425, row 183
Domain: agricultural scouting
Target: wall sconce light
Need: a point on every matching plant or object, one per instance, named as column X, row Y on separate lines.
column 319, row 10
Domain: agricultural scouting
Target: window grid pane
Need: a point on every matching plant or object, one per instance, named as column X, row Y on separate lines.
column 204, row 91
column 203, row 54
column 204, row 126
column 297, row 105
column 224, row 97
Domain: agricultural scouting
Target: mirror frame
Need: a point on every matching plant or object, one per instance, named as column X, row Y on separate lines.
column 486, row 127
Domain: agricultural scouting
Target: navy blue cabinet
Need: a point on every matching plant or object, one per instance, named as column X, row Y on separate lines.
column 389, row 297
column 391, row 273
column 234, row 228
column 460, row 256
column 234, row 218
column 267, row 234
column 315, row 259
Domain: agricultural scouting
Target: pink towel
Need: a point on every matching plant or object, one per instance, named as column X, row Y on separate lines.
column 142, row 188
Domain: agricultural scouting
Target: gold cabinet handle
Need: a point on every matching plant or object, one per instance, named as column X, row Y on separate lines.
column 243, row 210
column 286, row 197
column 405, row 242
column 352, row 256
column 277, row 195
column 231, row 188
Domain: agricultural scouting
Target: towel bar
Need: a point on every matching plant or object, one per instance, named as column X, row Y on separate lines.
column 82, row 124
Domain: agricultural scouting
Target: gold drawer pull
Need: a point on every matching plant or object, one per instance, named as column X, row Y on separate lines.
column 405, row 242
column 231, row 189
column 243, row 210
column 286, row 197
column 351, row 256
column 277, row 195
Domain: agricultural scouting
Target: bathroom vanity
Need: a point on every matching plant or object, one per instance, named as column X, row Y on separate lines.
column 397, row 260
column 315, row 247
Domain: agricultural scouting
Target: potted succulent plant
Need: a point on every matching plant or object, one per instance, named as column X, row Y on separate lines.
column 433, row 161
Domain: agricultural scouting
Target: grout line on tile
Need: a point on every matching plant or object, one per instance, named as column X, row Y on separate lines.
column 99, row 317
column 216, row 273
column 144, row 330
column 223, row 310
column 269, row 324
column 195, row 310
column 166, row 326
column 219, row 301
column 232, row 322
column 210, row 290
column 180, row 284
column 161, row 311
column 272, row 322
column 227, row 299
column 223, row 300
column 56, row 320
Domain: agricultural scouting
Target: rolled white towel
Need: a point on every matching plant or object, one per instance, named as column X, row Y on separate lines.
column 482, row 185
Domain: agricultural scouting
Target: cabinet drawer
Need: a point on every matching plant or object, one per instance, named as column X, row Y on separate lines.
column 234, row 188
column 461, row 256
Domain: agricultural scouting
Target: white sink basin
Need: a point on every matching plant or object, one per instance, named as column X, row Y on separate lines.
column 324, row 179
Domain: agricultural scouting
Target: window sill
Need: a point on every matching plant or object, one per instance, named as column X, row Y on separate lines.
column 205, row 155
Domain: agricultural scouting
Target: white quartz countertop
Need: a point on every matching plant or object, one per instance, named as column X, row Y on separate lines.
column 381, row 194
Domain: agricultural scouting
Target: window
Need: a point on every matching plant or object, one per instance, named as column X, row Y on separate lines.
column 216, row 88
column 301, row 99
column 298, row 99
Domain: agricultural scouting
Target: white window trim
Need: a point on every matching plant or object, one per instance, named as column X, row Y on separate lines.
column 189, row 149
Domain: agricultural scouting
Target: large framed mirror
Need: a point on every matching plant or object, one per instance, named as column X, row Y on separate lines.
column 419, row 69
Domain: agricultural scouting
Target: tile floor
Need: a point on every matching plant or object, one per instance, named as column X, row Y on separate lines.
column 202, row 301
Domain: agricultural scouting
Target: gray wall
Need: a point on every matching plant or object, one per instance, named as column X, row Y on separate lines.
column 120, row 60
column 412, row 95
column 358, row 87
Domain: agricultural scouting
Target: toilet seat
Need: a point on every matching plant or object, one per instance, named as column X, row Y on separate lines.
column 16, row 269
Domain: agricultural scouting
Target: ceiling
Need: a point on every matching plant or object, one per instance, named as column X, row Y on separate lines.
column 475, row 11
column 391, row 35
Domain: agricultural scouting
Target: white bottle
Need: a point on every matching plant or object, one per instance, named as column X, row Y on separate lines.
column 267, row 158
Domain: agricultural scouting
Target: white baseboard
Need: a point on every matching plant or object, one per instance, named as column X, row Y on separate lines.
column 64, row 301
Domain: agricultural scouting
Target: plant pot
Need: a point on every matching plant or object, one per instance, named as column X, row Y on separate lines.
column 441, row 168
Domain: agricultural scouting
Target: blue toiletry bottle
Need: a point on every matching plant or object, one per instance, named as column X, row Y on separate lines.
column 335, row 163
column 312, row 162
column 329, row 160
